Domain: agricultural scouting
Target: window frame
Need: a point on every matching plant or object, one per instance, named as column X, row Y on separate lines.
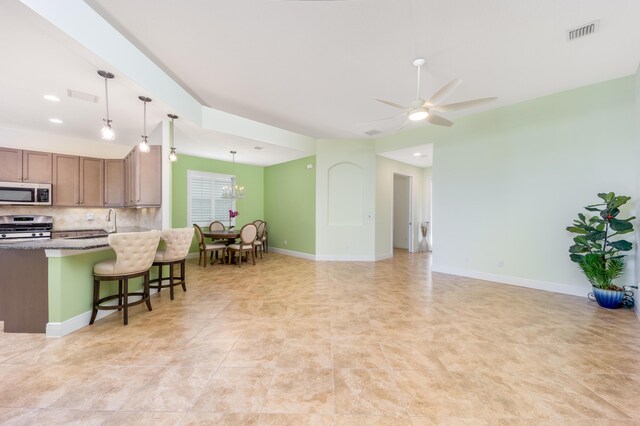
column 213, row 177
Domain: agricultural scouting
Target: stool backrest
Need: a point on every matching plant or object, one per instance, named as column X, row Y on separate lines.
column 261, row 227
column 177, row 241
column 135, row 251
column 248, row 234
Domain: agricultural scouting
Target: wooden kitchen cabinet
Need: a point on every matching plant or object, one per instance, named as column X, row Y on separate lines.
column 66, row 180
column 91, row 185
column 144, row 177
column 78, row 181
column 114, row 179
column 36, row 167
column 17, row 165
column 10, row 165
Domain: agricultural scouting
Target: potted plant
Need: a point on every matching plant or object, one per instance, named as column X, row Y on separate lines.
column 598, row 248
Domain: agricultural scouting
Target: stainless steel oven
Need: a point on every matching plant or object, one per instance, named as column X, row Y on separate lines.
column 25, row 228
column 26, row 194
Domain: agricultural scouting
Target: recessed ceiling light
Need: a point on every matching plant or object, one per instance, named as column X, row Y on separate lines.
column 417, row 154
column 52, row 98
column 55, row 120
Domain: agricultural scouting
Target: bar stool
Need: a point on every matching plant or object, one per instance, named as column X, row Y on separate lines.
column 175, row 252
column 134, row 255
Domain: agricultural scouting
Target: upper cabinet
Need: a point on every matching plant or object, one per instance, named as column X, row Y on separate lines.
column 143, row 172
column 78, row 181
column 17, row 165
column 66, row 180
column 36, row 167
column 114, row 195
column 91, row 182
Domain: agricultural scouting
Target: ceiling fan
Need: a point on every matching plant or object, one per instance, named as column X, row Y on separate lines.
column 421, row 109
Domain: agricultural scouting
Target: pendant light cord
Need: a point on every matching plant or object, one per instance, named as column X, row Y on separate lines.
column 144, row 133
column 106, row 98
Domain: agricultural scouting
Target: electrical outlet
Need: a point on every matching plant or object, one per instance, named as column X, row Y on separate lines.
column 89, row 216
column 500, row 263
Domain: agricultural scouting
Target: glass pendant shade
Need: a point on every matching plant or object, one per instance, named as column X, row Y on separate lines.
column 172, row 155
column 107, row 132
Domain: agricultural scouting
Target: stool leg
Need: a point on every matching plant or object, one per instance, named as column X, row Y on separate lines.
column 159, row 278
column 119, row 295
column 182, row 275
column 96, row 297
column 147, row 293
column 171, row 281
column 126, row 301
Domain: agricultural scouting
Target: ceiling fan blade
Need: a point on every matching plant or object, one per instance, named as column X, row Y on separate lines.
column 439, row 121
column 442, row 94
column 465, row 104
column 406, row 123
column 393, row 104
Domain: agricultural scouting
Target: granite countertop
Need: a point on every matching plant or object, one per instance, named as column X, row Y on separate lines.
column 67, row 243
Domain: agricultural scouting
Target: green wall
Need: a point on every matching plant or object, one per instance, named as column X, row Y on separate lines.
column 251, row 177
column 290, row 205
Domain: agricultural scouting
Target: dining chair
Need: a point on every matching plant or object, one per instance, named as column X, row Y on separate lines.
column 207, row 248
column 177, row 244
column 258, row 244
column 247, row 237
column 134, row 255
column 216, row 225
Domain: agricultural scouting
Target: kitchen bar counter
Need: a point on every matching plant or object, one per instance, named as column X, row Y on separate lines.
column 73, row 243
column 46, row 285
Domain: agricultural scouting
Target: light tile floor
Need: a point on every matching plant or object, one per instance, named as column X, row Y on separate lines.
column 295, row 342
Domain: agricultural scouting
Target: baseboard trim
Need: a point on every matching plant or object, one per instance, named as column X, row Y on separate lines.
column 345, row 258
column 60, row 329
column 517, row 281
column 384, row 256
column 293, row 253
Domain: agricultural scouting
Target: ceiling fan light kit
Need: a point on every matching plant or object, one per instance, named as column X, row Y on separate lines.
column 421, row 109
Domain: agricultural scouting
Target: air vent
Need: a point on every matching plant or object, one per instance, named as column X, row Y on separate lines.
column 372, row 132
column 583, row 30
column 82, row 96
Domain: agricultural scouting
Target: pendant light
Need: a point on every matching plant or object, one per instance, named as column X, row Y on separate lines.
column 107, row 132
column 172, row 155
column 233, row 192
column 144, row 144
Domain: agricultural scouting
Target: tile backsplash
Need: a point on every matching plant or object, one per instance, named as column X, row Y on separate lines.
column 80, row 218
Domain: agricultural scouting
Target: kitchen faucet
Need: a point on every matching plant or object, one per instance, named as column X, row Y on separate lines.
column 115, row 221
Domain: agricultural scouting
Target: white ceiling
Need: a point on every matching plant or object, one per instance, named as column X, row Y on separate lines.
column 419, row 155
column 311, row 67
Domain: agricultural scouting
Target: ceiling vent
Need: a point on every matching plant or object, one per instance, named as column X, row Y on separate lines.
column 372, row 132
column 583, row 30
column 82, row 96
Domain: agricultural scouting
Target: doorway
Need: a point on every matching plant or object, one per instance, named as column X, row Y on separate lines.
column 402, row 208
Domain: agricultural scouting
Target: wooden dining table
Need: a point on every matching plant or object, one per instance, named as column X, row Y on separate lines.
column 224, row 234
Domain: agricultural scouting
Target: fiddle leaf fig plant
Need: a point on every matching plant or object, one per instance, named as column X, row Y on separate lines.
column 597, row 247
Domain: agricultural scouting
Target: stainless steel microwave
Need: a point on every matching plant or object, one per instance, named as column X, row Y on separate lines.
column 25, row 194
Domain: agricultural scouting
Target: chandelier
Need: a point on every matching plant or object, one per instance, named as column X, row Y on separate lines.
column 233, row 191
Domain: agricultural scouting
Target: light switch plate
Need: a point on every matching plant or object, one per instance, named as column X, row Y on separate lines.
column 89, row 216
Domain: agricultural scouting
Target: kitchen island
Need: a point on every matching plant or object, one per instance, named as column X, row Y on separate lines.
column 46, row 286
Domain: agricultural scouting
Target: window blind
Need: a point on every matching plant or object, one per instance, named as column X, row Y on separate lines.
column 205, row 198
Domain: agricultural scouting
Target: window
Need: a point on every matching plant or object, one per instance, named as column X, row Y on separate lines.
column 204, row 198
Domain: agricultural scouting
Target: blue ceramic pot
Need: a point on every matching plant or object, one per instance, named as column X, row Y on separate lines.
column 610, row 299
